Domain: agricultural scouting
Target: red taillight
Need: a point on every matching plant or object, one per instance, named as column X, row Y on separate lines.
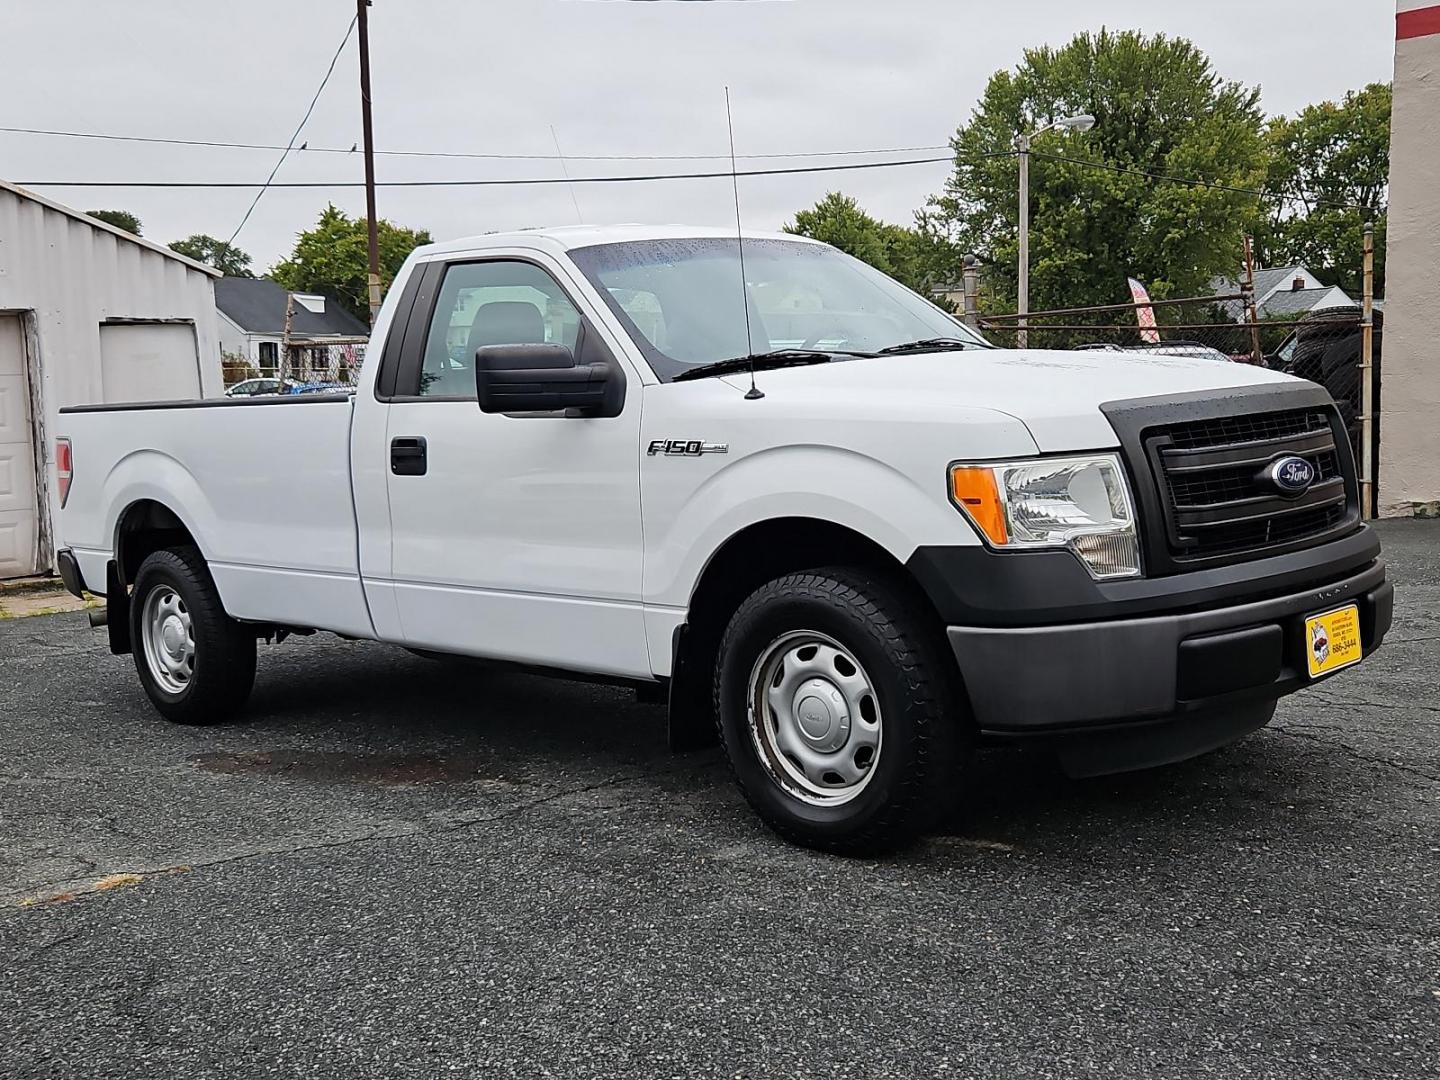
column 64, row 468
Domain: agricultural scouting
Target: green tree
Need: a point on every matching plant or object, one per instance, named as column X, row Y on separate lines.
column 1331, row 162
column 838, row 220
column 1159, row 108
column 230, row 261
column 332, row 258
column 121, row 219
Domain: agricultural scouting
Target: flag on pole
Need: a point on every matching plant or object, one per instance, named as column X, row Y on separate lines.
column 1144, row 314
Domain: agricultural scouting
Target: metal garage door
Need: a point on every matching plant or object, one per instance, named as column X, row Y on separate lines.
column 148, row 362
column 19, row 521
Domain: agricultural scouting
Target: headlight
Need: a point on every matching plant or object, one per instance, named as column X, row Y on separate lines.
column 1077, row 502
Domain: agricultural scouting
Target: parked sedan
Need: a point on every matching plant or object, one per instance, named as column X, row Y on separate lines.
column 262, row 387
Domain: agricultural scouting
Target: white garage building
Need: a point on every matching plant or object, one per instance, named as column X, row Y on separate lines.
column 88, row 313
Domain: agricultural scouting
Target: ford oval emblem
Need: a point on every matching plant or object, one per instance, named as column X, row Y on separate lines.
column 1289, row 475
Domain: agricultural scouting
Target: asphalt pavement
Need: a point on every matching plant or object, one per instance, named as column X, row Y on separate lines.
column 402, row 868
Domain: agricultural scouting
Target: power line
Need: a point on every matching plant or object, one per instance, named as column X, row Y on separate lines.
column 300, row 127
column 468, row 155
column 465, row 155
column 716, row 175
column 627, row 179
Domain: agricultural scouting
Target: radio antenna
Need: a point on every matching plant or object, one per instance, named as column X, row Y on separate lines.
column 566, row 170
column 754, row 393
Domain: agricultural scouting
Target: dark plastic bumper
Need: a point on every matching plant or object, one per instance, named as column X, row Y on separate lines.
column 69, row 571
column 973, row 586
column 1098, row 675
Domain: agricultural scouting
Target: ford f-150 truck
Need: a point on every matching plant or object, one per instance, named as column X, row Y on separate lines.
column 822, row 516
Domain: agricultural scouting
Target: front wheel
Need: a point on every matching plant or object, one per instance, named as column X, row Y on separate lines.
column 838, row 711
column 196, row 663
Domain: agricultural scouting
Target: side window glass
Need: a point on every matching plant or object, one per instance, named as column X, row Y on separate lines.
column 490, row 303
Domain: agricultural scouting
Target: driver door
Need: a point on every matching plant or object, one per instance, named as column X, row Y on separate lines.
column 513, row 536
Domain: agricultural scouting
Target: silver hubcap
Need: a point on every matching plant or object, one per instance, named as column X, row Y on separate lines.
column 814, row 718
column 168, row 639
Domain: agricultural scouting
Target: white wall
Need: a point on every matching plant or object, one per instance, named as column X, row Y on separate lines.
column 237, row 341
column 149, row 361
column 1410, row 382
column 1336, row 297
column 66, row 277
column 233, row 340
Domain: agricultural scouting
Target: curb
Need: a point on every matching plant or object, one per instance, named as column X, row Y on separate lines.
column 26, row 585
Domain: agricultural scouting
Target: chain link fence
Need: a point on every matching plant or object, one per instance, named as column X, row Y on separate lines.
column 308, row 365
column 329, row 363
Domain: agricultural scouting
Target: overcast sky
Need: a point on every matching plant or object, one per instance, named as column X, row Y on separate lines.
column 611, row 77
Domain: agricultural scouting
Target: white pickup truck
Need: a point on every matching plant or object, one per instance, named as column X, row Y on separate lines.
column 897, row 543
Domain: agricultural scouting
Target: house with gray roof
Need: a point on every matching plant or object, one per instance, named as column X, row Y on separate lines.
column 1284, row 292
column 253, row 321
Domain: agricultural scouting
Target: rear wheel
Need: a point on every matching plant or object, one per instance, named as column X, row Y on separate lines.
column 838, row 711
column 196, row 663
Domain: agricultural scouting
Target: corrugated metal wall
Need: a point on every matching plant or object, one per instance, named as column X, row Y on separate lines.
column 66, row 277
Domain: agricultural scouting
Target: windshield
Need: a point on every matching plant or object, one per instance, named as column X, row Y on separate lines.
column 681, row 300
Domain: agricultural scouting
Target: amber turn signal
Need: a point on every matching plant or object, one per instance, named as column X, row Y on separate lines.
column 974, row 490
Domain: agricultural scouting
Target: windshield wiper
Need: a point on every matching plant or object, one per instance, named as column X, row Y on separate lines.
column 760, row 361
column 934, row 344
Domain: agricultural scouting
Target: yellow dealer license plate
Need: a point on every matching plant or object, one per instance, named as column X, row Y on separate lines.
column 1332, row 640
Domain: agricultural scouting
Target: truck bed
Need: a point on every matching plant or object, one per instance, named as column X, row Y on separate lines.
column 264, row 486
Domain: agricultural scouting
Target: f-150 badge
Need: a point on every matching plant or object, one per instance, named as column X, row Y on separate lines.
column 686, row 447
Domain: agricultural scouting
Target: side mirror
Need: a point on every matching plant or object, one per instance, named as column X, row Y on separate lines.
column 541, row 378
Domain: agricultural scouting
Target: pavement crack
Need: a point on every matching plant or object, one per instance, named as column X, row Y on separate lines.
column 73, row 888
column 1349, row 703
column 46, row 946
column 1358, row 754
column 544, row 800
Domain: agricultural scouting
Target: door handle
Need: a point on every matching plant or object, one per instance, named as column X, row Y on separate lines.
column 408, row 456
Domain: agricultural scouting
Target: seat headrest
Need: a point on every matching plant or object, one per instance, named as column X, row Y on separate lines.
column 507, row 322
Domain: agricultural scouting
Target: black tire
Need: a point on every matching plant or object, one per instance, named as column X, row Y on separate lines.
column 224, row 651
column 925, row 737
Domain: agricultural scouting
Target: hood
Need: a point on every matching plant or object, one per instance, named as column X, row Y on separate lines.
column 1056, row 395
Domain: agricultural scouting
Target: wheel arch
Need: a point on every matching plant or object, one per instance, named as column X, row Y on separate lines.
column 146, row 525
column 760, row 552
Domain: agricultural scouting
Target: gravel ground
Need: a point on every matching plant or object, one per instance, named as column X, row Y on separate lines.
column 400, row 868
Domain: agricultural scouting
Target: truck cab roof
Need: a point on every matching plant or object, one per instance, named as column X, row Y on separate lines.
column 569, row 237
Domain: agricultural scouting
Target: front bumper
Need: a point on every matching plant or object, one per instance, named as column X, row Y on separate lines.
column 1135, row 673
column 1094, row 674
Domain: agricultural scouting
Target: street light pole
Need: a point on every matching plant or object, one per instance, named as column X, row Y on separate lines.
column 373, row 237
column 1081, row 122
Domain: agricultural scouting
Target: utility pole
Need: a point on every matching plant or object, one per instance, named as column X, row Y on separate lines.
column 1252, row 312
column 1022, row 304
column 372, row 239
column 285, row 338
column 1079, row 122
column 1367, row 379
column 970, row 283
